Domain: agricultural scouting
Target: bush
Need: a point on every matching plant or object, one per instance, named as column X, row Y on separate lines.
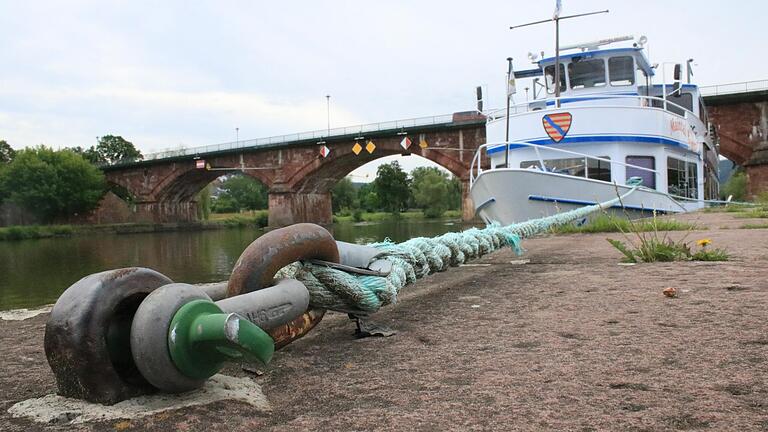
column 736, row 187
column 357, row 215
column 53, row 184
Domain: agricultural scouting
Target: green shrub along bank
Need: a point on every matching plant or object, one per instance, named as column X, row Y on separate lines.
column 428, row 189
column 27, row 232
column 345, row 215
column 35, row 231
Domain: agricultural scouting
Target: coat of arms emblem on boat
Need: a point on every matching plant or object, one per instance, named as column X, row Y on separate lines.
column 557, row 125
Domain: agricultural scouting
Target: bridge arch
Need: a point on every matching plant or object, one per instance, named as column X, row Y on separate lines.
column 299, row 179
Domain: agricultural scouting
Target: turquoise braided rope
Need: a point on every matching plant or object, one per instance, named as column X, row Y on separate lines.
column 340, row 291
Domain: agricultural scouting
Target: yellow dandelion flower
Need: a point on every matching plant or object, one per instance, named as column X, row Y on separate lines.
column 704, row 242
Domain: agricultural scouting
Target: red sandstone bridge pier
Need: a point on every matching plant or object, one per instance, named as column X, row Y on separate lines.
column 163, row 186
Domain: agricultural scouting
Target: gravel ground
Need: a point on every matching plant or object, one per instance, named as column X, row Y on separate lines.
column 567, row 341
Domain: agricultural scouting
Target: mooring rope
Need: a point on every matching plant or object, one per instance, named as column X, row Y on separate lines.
column 337, row 290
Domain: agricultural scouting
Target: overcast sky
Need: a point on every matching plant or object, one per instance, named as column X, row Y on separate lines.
column 165, row 74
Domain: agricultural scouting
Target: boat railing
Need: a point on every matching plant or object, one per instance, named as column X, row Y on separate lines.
column 543, row 104
column 476, row 167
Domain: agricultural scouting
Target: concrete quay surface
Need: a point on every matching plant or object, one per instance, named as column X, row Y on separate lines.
column 568, row 340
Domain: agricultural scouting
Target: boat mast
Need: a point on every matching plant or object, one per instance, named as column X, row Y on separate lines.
column 556, row 18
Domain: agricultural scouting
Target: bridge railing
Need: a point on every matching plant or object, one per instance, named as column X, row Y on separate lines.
column 731, row 88
column 360, row 130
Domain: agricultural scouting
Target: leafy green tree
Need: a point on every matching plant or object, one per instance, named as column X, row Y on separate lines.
column 392, row 187
column 90, row 154
column 112, row 149
column 3, row 191
column 53, row 184
column 454, row 193
column 367, row 198
column 735, row 187
column 344, row 195
column 241, row 192
column 204, row 203
column 6, row 156
column 7, row 153
column 431, row 189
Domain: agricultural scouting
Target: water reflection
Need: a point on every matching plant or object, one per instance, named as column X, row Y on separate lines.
column 35, row 272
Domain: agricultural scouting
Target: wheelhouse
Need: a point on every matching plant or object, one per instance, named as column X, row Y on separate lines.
column 613, row 123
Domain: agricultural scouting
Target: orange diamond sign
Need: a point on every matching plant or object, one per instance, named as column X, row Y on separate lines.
column 370, row 147
column 357, row 148
column 423, row 143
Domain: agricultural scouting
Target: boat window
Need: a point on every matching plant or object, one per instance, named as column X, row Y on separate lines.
column 595, row 169
column 599, row 169
column 586, row 73
column 648, row 162
column 685, row 100
column 682, row 178
column 549, row 74
column 621, row 70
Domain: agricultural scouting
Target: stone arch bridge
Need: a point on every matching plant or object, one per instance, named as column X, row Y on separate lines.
column 163, row 187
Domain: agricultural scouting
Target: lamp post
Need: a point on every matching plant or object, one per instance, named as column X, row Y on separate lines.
column 328, row 111
column 237, row 136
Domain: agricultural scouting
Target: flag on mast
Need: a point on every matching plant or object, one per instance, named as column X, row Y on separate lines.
column 558, row 9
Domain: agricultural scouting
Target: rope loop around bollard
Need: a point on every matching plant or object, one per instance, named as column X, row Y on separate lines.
column 265, row 256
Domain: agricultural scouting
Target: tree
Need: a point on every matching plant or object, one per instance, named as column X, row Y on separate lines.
column 90, row 154
column 7, row 153
column 241, row 192
column 53, row 184
column 6, row 156
column 431, row 190
column 454, row 193
column 735, row 187
column 343, row 195
column 204, row 203
column 112, row 149
column 392, row 187
column 367, row 197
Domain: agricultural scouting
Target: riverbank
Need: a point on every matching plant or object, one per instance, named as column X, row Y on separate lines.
column 562, row 338
column 26, row 232
column 255, row 219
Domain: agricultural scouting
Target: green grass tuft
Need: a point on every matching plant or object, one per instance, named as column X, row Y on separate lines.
column 755, row 226
column 606, row 223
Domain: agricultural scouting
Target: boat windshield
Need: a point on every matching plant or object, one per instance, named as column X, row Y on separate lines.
column 549, row 77
column 586, row 73
column 621, row 70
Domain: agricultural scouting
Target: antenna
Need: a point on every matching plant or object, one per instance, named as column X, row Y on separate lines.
column 556, row 18
column 596, row 44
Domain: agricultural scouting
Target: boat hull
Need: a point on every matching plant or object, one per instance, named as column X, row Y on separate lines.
column 510, row 195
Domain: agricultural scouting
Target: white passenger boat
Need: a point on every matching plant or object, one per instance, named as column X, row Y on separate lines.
column 611, row 127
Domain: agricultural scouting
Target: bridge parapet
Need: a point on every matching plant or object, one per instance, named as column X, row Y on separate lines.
column 311, row 137
column 734, row 88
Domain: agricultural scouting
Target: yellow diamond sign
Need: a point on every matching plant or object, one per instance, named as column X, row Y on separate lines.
column 423, row 143
column 370, row 147
column 357, row 148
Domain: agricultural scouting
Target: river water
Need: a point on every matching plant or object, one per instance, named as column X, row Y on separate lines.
column 36, row 272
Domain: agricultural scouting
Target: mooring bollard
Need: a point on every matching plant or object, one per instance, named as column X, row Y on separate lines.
column 180, row 337
column 122, row 333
